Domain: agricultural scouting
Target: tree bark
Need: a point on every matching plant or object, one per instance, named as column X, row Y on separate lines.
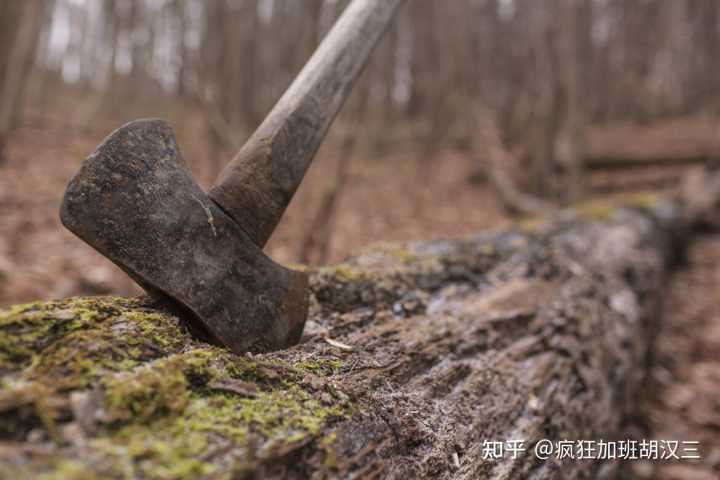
column 413, row 359
column 552, row 347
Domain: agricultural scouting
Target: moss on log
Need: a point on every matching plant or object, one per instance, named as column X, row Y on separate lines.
column 413, row 356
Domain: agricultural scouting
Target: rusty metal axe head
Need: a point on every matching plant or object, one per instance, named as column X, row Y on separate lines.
column 135, row 201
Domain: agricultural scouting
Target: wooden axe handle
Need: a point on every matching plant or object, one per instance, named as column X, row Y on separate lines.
column 258, row 184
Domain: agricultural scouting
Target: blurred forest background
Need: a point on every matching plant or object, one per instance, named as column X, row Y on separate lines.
column 470, row 112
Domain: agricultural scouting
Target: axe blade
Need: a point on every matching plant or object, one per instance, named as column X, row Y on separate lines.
column 135, row 201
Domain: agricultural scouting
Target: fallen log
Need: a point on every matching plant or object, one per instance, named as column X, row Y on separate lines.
column 415, row 361
column 635, row 180
column 666, row 143
column 626, row 161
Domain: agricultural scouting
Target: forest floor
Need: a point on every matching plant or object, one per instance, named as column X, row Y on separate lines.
column 393, row 197
column 682, row 398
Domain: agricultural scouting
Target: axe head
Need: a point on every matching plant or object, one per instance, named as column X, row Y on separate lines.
column 135, row 201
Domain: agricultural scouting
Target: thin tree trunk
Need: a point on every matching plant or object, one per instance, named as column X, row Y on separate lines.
column 500, row 165
column 573, row 51
column 315, row 247
column 20, row 52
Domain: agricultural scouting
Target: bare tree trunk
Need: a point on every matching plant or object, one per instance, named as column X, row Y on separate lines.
column 315, row 246
column 500, row 165
column 46, row 75
column 574, row 47
column 178, row 9
column 20, row 22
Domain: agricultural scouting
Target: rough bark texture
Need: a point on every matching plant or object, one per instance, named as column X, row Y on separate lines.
column 412, row 357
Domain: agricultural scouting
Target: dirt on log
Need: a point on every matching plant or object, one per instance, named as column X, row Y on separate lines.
column 413, row 360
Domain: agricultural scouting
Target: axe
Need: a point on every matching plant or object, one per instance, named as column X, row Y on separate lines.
column 135, row 201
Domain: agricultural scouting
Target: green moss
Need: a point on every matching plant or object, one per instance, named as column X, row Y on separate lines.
column 532, row 224
column 605, row 208
column 323, row 364
column 31, row 400
column 646, row 200
column 159, row 387
column 394, row 258
column 199, row 364
column 165, row 451
column 26, row 328
column 283, row 415
column 597, row 210
column 168, row 409
column 173, row 447
column 246, row 370
column 328, row 444
column 300, row 267
column 394, row 250
column 62, row 330
column 69, row 470
column 344, row 272
column 487, row 249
